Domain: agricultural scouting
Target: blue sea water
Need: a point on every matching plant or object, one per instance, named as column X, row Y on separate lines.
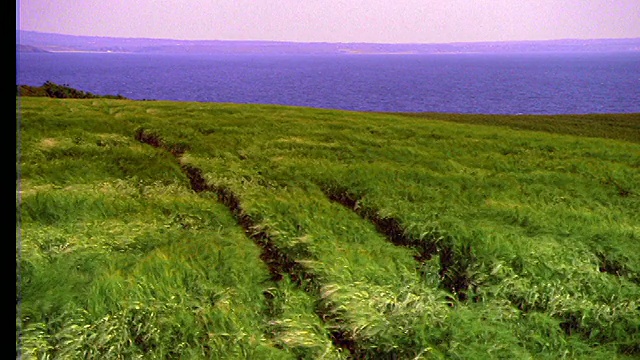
column 550, row 83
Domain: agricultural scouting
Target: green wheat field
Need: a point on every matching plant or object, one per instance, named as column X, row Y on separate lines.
column 183, row 230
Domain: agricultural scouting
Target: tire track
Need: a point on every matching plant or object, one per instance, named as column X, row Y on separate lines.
column 454, row 263
column 279, row 263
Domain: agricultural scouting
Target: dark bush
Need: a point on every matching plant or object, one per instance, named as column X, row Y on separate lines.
column 53, row 90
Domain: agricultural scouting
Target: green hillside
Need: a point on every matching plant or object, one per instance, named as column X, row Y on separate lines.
column 172, row 230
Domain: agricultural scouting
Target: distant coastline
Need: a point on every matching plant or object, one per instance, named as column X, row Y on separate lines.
column 29, row 49
column 31, row 41
column 88, row 51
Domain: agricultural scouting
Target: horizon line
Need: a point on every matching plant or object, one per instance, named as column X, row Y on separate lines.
column 337, row 42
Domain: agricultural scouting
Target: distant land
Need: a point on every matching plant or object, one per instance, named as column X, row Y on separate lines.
column 28, row 48
column 31, row 41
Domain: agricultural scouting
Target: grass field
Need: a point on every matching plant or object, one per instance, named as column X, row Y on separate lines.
column 153, row 229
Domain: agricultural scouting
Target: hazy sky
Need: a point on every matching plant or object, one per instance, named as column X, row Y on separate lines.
column 387, row 21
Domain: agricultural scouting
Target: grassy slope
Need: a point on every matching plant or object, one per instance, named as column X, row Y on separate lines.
column 528, row 242
column 608, row 126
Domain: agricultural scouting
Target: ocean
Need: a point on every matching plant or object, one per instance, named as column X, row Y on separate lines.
column 539, row 83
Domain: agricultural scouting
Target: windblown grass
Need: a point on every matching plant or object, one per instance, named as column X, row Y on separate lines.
column 324, row 234
column 609, row 126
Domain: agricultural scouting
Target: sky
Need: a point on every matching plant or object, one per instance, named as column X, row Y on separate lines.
column 374, row 21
